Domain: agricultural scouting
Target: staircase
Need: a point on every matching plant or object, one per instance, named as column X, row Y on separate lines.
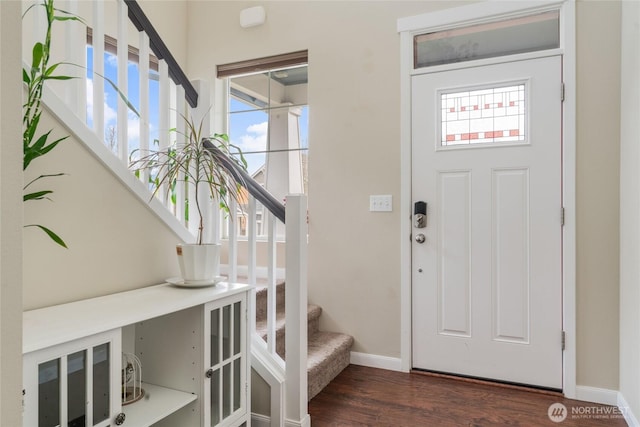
column 328, row 352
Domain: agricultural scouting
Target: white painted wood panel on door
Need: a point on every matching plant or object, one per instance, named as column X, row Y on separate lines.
column 487, row 281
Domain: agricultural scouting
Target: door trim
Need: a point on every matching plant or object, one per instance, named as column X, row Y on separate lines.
column 463, row 16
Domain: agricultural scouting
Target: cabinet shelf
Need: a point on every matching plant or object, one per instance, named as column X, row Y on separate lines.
column 157, row 403
column 72, row 357
column 49, row 326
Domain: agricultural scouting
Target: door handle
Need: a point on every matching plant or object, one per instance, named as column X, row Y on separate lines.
column 420, row 238
column 119, row 420
column 420, row 215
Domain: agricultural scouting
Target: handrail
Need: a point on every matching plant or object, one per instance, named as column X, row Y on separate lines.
column 142, row 23
column 160, row 49
column 241, row 176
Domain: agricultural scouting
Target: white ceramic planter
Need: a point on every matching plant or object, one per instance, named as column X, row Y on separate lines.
column 199, row 264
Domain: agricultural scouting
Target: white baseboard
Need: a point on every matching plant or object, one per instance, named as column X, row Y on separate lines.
column 305, row 422
column 597, row 395
column 259, row 420
column 629, row 416
column 375, row 361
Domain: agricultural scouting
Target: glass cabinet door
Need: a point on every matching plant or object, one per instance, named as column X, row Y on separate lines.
column 226, row 361
column 71, row 385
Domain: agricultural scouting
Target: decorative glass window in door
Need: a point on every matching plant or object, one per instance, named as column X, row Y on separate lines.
column 482, row 116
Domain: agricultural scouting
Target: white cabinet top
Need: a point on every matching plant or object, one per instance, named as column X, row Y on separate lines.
column 57, row 324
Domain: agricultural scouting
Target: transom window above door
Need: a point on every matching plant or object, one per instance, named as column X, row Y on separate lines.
column 487, row 40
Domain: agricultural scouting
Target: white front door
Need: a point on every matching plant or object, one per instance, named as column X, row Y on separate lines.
column 487, row 279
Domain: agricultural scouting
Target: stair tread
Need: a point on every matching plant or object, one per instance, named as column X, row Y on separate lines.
column 262, row 294
column 328, row 354
column 323, row 344
column 313, row 312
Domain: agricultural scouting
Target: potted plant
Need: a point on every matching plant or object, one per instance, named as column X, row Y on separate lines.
column 37, row 143
column 191, row 163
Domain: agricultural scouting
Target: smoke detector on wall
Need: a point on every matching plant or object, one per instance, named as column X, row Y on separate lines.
column 252, row 17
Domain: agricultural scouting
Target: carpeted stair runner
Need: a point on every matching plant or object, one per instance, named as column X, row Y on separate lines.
column 328, row 352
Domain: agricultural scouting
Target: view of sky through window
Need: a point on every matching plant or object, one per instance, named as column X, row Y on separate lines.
column 249, row 130
column 111, row 102
column 248, row 126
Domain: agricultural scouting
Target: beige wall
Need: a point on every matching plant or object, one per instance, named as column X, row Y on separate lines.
column 115, row 243
column 11, row 217
column 354, row 73
column 354, row 130
column 597, row 196
column 169, row 17
column 630, row 208
column 354, row 133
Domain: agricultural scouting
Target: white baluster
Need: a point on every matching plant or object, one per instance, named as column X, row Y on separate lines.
column 251, row 239
column 123, row 69
column 164, row 114
column 296, row 308
column 98, row 69
column 251, row 254
column 201, row 117
column 271, row 282
column 180, row 138
column 233, row 240
column 216, row 220
column 76, row 52
column 143, row 83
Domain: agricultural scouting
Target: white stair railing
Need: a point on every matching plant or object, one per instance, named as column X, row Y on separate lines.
column 288, row 380
column 69, row 102
column 71, row 46
column 296, row 311
column 271, row 284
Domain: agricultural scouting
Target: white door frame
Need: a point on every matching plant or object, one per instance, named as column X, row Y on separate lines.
column 464, row 16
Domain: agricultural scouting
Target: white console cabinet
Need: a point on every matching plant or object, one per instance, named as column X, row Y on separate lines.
column 193, row 345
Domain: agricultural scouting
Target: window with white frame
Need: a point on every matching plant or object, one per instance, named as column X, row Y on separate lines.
column 268, row 119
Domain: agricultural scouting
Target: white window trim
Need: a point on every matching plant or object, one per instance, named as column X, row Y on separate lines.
column 474, row 14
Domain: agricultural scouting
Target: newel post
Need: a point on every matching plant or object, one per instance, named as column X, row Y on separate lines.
column 296, row 311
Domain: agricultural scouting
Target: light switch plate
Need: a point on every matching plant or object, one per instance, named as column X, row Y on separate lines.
column 381, row 203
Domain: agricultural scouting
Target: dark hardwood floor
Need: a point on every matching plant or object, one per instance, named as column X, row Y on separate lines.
column 362, row 396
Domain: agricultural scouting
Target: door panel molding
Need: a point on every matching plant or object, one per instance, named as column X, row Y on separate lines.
column 510, row 239
column 461, row 16
column 511, row 262
column 454, row 302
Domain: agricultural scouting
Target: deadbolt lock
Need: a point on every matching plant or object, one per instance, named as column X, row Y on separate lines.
column 420, row 215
